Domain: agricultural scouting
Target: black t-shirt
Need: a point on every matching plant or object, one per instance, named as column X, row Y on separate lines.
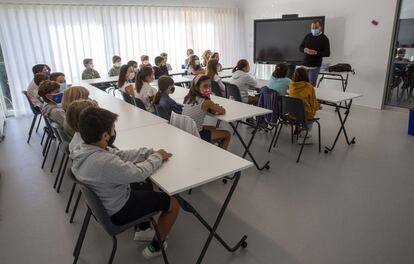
column 320, row 44
column 160, row 71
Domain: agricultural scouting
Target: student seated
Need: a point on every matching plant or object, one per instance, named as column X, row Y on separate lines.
column 159, row 69
column 194, row 67
column 196, row 105
column 279, row 82
column 134, row 65
column 120, row 178
column 216, row 56
column 165, row 56
column 126, row 75
column 59, row 77
column 33, row 89
column 49, row 91
column 162, row 97
column 212, row 73
column 190, row 52
column 143, row 90
column 89, row 72
column 69, row 95
column 42, row 69
column 114, row 71
column 144, row 62
column 301, row 88
column 72, row 121
column 242, row 79
column 206, row 57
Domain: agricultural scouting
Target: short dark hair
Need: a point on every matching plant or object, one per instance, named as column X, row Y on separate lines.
column 38, row 68
column 55, row 75
column 132, row 63
column 93, row 122
column 38, row 78
column 317, row 21
column 158, row 60
column 115, row 58
column 47, row 87
column 87, row 61
column 280, row 71
column 300, row 75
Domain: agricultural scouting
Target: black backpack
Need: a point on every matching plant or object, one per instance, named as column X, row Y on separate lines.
column 340, row 67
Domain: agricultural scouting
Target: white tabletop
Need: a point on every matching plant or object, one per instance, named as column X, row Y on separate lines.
column 194, row 162
column 333, row 96
column 102, row 80
column 129, row 116
column 260, row 82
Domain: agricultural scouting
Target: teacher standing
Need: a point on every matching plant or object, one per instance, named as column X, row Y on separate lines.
column 315, row 46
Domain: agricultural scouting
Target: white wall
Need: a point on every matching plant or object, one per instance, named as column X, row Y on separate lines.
column 353, row 38
column 407, row 9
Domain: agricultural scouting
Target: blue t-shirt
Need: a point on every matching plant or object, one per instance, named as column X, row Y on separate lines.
column 280, row 85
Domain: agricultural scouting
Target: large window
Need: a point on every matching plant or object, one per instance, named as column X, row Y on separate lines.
column 63, row 35
column 5, row 95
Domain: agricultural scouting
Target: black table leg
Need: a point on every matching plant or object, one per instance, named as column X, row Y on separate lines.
column 246, row 147
column 186, row 206
column 342, row 129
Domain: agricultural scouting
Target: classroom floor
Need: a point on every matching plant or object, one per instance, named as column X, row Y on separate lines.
column 353, row 206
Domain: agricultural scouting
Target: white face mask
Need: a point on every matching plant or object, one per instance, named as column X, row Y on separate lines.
column 117, row 64
column 131, row 75
column 145, row 62
column 197, row 62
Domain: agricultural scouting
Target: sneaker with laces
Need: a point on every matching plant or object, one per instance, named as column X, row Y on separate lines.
column 144, row 235
column 149, row 251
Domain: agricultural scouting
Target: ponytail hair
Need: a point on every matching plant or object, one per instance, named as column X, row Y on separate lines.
column 163, row 83
column 140, row 77
column 122, row 75
column 194, row 91
column 240, row 65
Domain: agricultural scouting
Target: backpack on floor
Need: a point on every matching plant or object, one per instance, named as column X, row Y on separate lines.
column 340, row 67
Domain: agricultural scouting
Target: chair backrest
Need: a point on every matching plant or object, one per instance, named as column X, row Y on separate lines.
column 161, row 112
column 127, row 98
column 139, row 103
column 271, row 100
column 233, row 92
column 35, row 110
column 215, row 88
column 185, row 123
column 294, row 106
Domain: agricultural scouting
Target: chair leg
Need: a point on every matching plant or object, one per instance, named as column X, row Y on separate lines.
column 291, row 132
column 82, row 234
column 70, row 197
column 55, row 157
column 303, row 144
column 114, row 245
column 319, row 135
column 31, row 128
column 48, row 143
column 43, row 136
column 59, row 170
column 62, row 174
column 157, row 234
column 274, row 137
column 75, row 207
column 38, row 124
column 278, row 135
column 237, row 124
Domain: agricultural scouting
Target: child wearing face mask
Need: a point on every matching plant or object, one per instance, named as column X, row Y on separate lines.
column 143, row 90
column 33, row 89
column 49, row 91
column 120, row 178
column 89, row 72
column 197, row 104
column 165, row 56
column 59, row 77
column 144, row 62
column 242, row 79
column 126, row 75
column 162, row 97
column 160, row 68
column 114, row 71
column 216, row 56
column 194, row 66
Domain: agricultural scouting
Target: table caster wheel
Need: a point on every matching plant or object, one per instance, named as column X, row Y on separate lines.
column 353, row 141
column 244, row 244
column 326, row 151
column 224, row 181
column 267, row 167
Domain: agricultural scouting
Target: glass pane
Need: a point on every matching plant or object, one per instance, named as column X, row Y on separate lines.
column 5, row 95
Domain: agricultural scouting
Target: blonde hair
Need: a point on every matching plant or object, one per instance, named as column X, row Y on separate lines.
column 73, row 93
column 74, row 110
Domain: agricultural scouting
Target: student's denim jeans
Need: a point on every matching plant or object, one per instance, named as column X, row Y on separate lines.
column 313, row 75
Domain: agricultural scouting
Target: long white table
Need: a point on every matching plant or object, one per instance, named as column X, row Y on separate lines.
column 187, row 169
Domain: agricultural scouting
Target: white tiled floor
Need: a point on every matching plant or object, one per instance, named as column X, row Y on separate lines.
column 353, row 206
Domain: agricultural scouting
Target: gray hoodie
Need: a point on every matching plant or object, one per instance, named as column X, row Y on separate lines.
column 109, row 172
column 244, row 82
column 55, row 113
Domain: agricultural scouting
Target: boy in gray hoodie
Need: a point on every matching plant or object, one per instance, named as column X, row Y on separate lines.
column 120, row 177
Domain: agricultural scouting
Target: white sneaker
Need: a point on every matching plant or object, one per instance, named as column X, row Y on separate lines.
column 307, row 142
column 149, row 251
column 144, row 235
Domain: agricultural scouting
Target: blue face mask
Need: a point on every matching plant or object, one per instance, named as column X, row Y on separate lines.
column 62, row 86
column 57, row 98
column 316, row 32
